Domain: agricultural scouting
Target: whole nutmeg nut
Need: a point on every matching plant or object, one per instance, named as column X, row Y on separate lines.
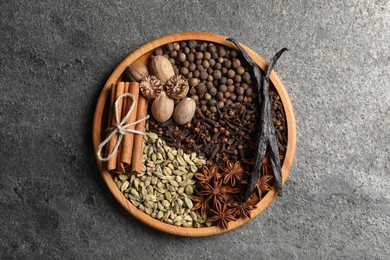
column 150, row 87
column 162, row 68
column 136, row 72
column 162, row 107
column 177, row 87
column 184, row 111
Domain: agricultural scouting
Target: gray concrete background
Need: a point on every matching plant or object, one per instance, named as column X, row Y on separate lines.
column 55, row 57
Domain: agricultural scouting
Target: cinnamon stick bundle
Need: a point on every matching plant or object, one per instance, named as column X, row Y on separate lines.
column 125, row 157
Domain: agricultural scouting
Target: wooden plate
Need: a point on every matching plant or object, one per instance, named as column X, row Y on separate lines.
column 141, row 55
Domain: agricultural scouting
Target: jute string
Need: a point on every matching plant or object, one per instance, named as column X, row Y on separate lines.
column 120, row 128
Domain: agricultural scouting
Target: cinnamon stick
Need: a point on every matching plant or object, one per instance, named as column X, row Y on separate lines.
column 136, row 161
column 128, row 139
column 119, row 90
column 119, row 166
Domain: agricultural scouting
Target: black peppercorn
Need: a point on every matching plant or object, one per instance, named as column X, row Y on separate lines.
column 182, row 57
column 236, row 63
column 173, row 54
column 207, row 96
column 240, row 70
column 212, row 102
column 193, row 91
column 222, row 80
column 212, row 48
column 237, row 79
column 199, row 55
column 200, row 88
column 221, row 51
column 192, row 67
column 248, row 92
column 196, row 73
column 186, row 64
column 192, row 44
column 217, row 74
column 227, row 63
column 195, row 98
column 190, row 57
column 183, row 71
column 158, row 51
column 203, row 75
column 213, row 109
column 220, row 95
column 246, row 76
column 193, row 82
column 230, row 74
column 213, row 91
column 223, row 88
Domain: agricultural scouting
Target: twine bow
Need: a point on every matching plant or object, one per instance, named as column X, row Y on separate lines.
column 120, row 128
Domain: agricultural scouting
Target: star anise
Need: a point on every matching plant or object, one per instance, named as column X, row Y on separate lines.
column 263, row 184
column 232, row 173
column 222, row 215
column 242, row 208
column 200, row 203
column 212, row 191
column 207, row 174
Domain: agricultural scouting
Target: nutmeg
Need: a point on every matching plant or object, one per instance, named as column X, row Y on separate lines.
column 162, row 68
column 184, row 111
column 177, row 87
column 162, row 107
column 136, row 72
column 151, row 87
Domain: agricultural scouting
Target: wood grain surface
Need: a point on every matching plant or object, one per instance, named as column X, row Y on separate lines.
column 140, row 55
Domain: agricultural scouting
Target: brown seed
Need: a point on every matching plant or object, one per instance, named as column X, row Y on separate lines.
column 217, row 74
column 183, row 71
column 223, row 88
column 182, row 57
column 236, row 63
column 231, row 74
column 237, row 79
column 240, row 70
column 193, row 82
column 199, row 55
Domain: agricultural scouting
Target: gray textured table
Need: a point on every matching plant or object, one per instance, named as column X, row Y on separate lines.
column 55, row 57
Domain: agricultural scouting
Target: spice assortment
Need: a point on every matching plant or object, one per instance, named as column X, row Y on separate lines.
column 215, row 141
